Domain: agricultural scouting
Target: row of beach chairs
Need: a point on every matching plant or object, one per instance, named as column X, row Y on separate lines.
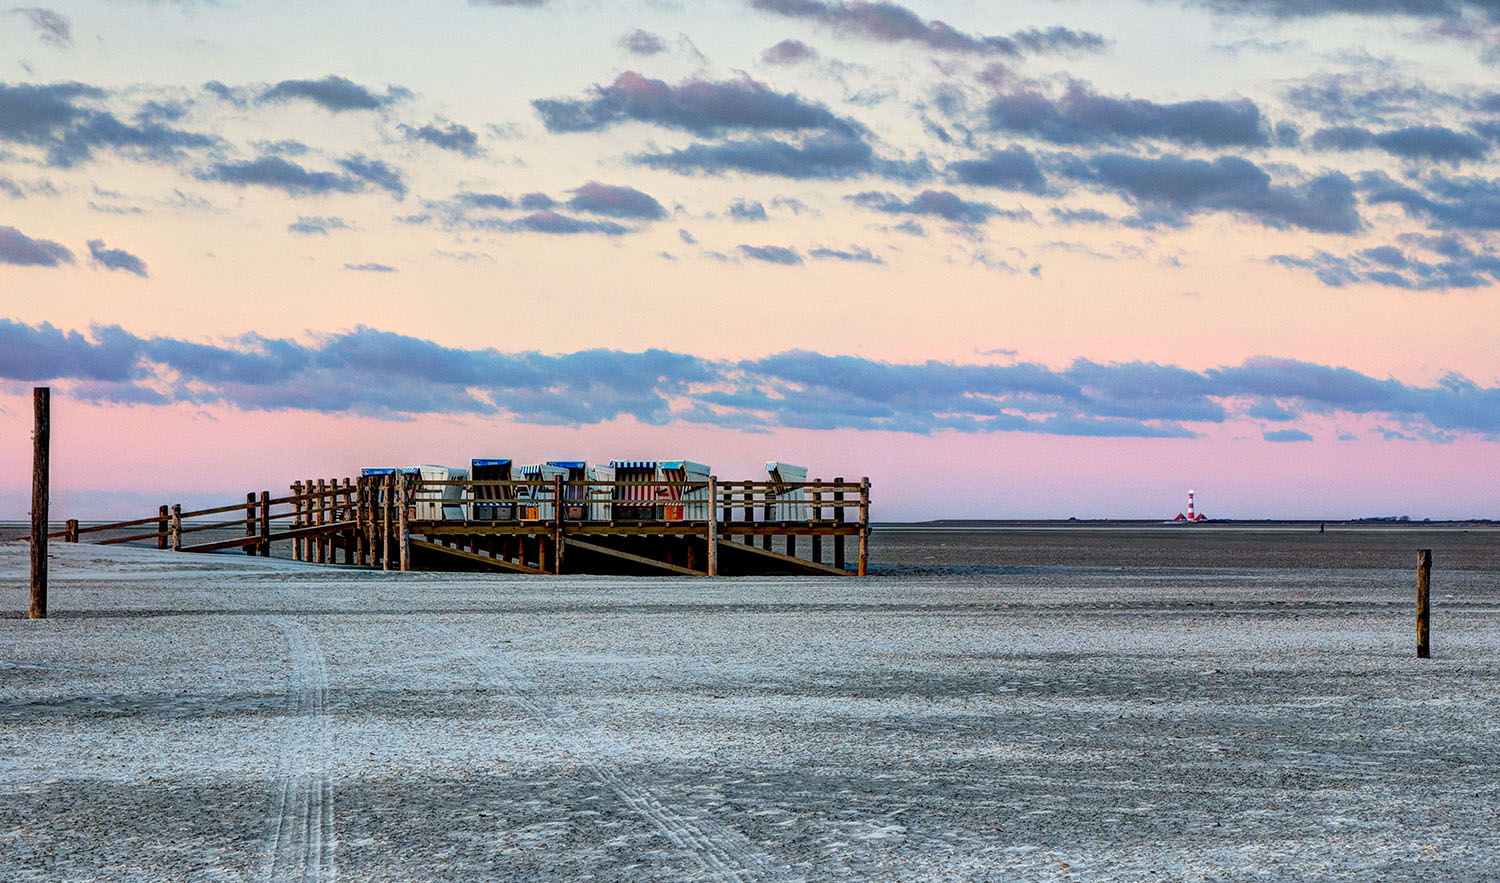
column 643, row 502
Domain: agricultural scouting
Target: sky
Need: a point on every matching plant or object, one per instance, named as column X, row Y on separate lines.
column 1050, row 259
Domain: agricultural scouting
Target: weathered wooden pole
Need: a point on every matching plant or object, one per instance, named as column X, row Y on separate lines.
column 838, row 517
column 251, row 528
column 557, row 524
column 265, row 524
column 163, row 515
column 41, row 443
column 1424, row 581
column 320, row 515
column 864, row 526
column 351, row 514
column 296, row 519
column 817, row 515
column 176, row 527
column 70, row 530
column 713, row 525
column 405, row 526
column 387, row 492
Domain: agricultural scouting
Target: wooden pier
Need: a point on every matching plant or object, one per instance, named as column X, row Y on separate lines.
column 400, row 521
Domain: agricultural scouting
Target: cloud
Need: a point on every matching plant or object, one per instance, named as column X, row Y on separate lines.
column 384, row 374
column 58, row 119
column 19, row 249
column 616, row 202
column 772, row 254
column 854, row 254
column 1295, row 9
column 639, row 42
column 1456, row 203
column 282, row 174
column 52, row 27
column 788, row 52
column 1324, row 204
column 887, row 22
column 376, row 172
column 937, row 203
column 333, row 93
column 371, row 268
column 522, row 3
column 1285, row 435
column 116, row 259
column 740, row 210
column 1436, row 143
column 698, row 106
column 1457, row 265
column 1013, row 168
column 448, row 136
column 548, row 221
column 311, row 226
column 1372, row 98
column 1083, row 116
column 825, row 157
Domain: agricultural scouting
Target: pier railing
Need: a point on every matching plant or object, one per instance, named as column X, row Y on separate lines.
column 525, row 525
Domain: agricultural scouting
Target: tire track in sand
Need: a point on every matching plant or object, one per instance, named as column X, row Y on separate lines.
column 721, row 851
column 299, row 838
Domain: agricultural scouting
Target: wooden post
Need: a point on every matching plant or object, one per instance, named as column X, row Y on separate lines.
column 176, row 527
column 70, row 531
column 817, row 515
column 765, row 516
column 864, row 526
column 387, row 491
column 265, row 524
column 404, row 525
column 320, row 515
column 351, row 541
column 557, row 525
column 296, row 519
column 362, row 521
column 162, row 515
column 250, row 527
column 41, row 486
column 713, row 525
column 838, row 518
column 1424, row 580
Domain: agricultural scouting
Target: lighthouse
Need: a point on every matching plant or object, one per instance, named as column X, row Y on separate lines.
column 1190, row 507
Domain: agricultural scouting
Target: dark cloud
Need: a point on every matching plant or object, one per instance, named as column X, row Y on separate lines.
column 315, row 226
column 449, row 136
column 772, row 254
column 548, row 221
column 892, row 23
column 1084, row 116
column 639, row 42
column 854, row 254
column 1436, row 143
column 116, row 259
column 1449, row 202
column 1082, row 216
column 788, row 52
column 1296, row 9
column 616, row 202
column 1457, row 265
column 19, row 249
column 1180, row 186
column 384, row 374
column 376, row 172
column 537, row 201
column 936, row 203
column 1365, row 98
column 825, row 157
column 283, row 174
column 333, row 93
column 371, row 268
column 740, row 210
column 1011, row 169
column 1285, row 435
column 58, row 119
column 697, row 106
column 52, row 27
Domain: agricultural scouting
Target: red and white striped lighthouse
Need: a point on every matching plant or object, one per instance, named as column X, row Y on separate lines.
column 1190, row 505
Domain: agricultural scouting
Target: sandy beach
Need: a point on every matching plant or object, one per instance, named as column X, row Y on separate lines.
column 1064, row 714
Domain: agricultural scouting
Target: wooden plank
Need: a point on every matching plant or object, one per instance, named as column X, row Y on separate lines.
column 802, row 563
column 482, row 559
column 636, row 559
column 296, row 533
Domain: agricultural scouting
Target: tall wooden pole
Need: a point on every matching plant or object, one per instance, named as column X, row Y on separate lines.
column 838, row 516
column 176, row 527
column 405, row 525
column 387, row 492
column 40, row 483
column 265, row 524
column 713, row 525
column 1424, row 581
column 163, row 514
column 864, row 526
column 557, row 529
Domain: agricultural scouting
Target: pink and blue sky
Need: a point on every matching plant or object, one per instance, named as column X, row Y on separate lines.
column 1031, row 259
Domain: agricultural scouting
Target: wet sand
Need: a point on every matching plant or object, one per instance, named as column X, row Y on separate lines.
column 1080, row 705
